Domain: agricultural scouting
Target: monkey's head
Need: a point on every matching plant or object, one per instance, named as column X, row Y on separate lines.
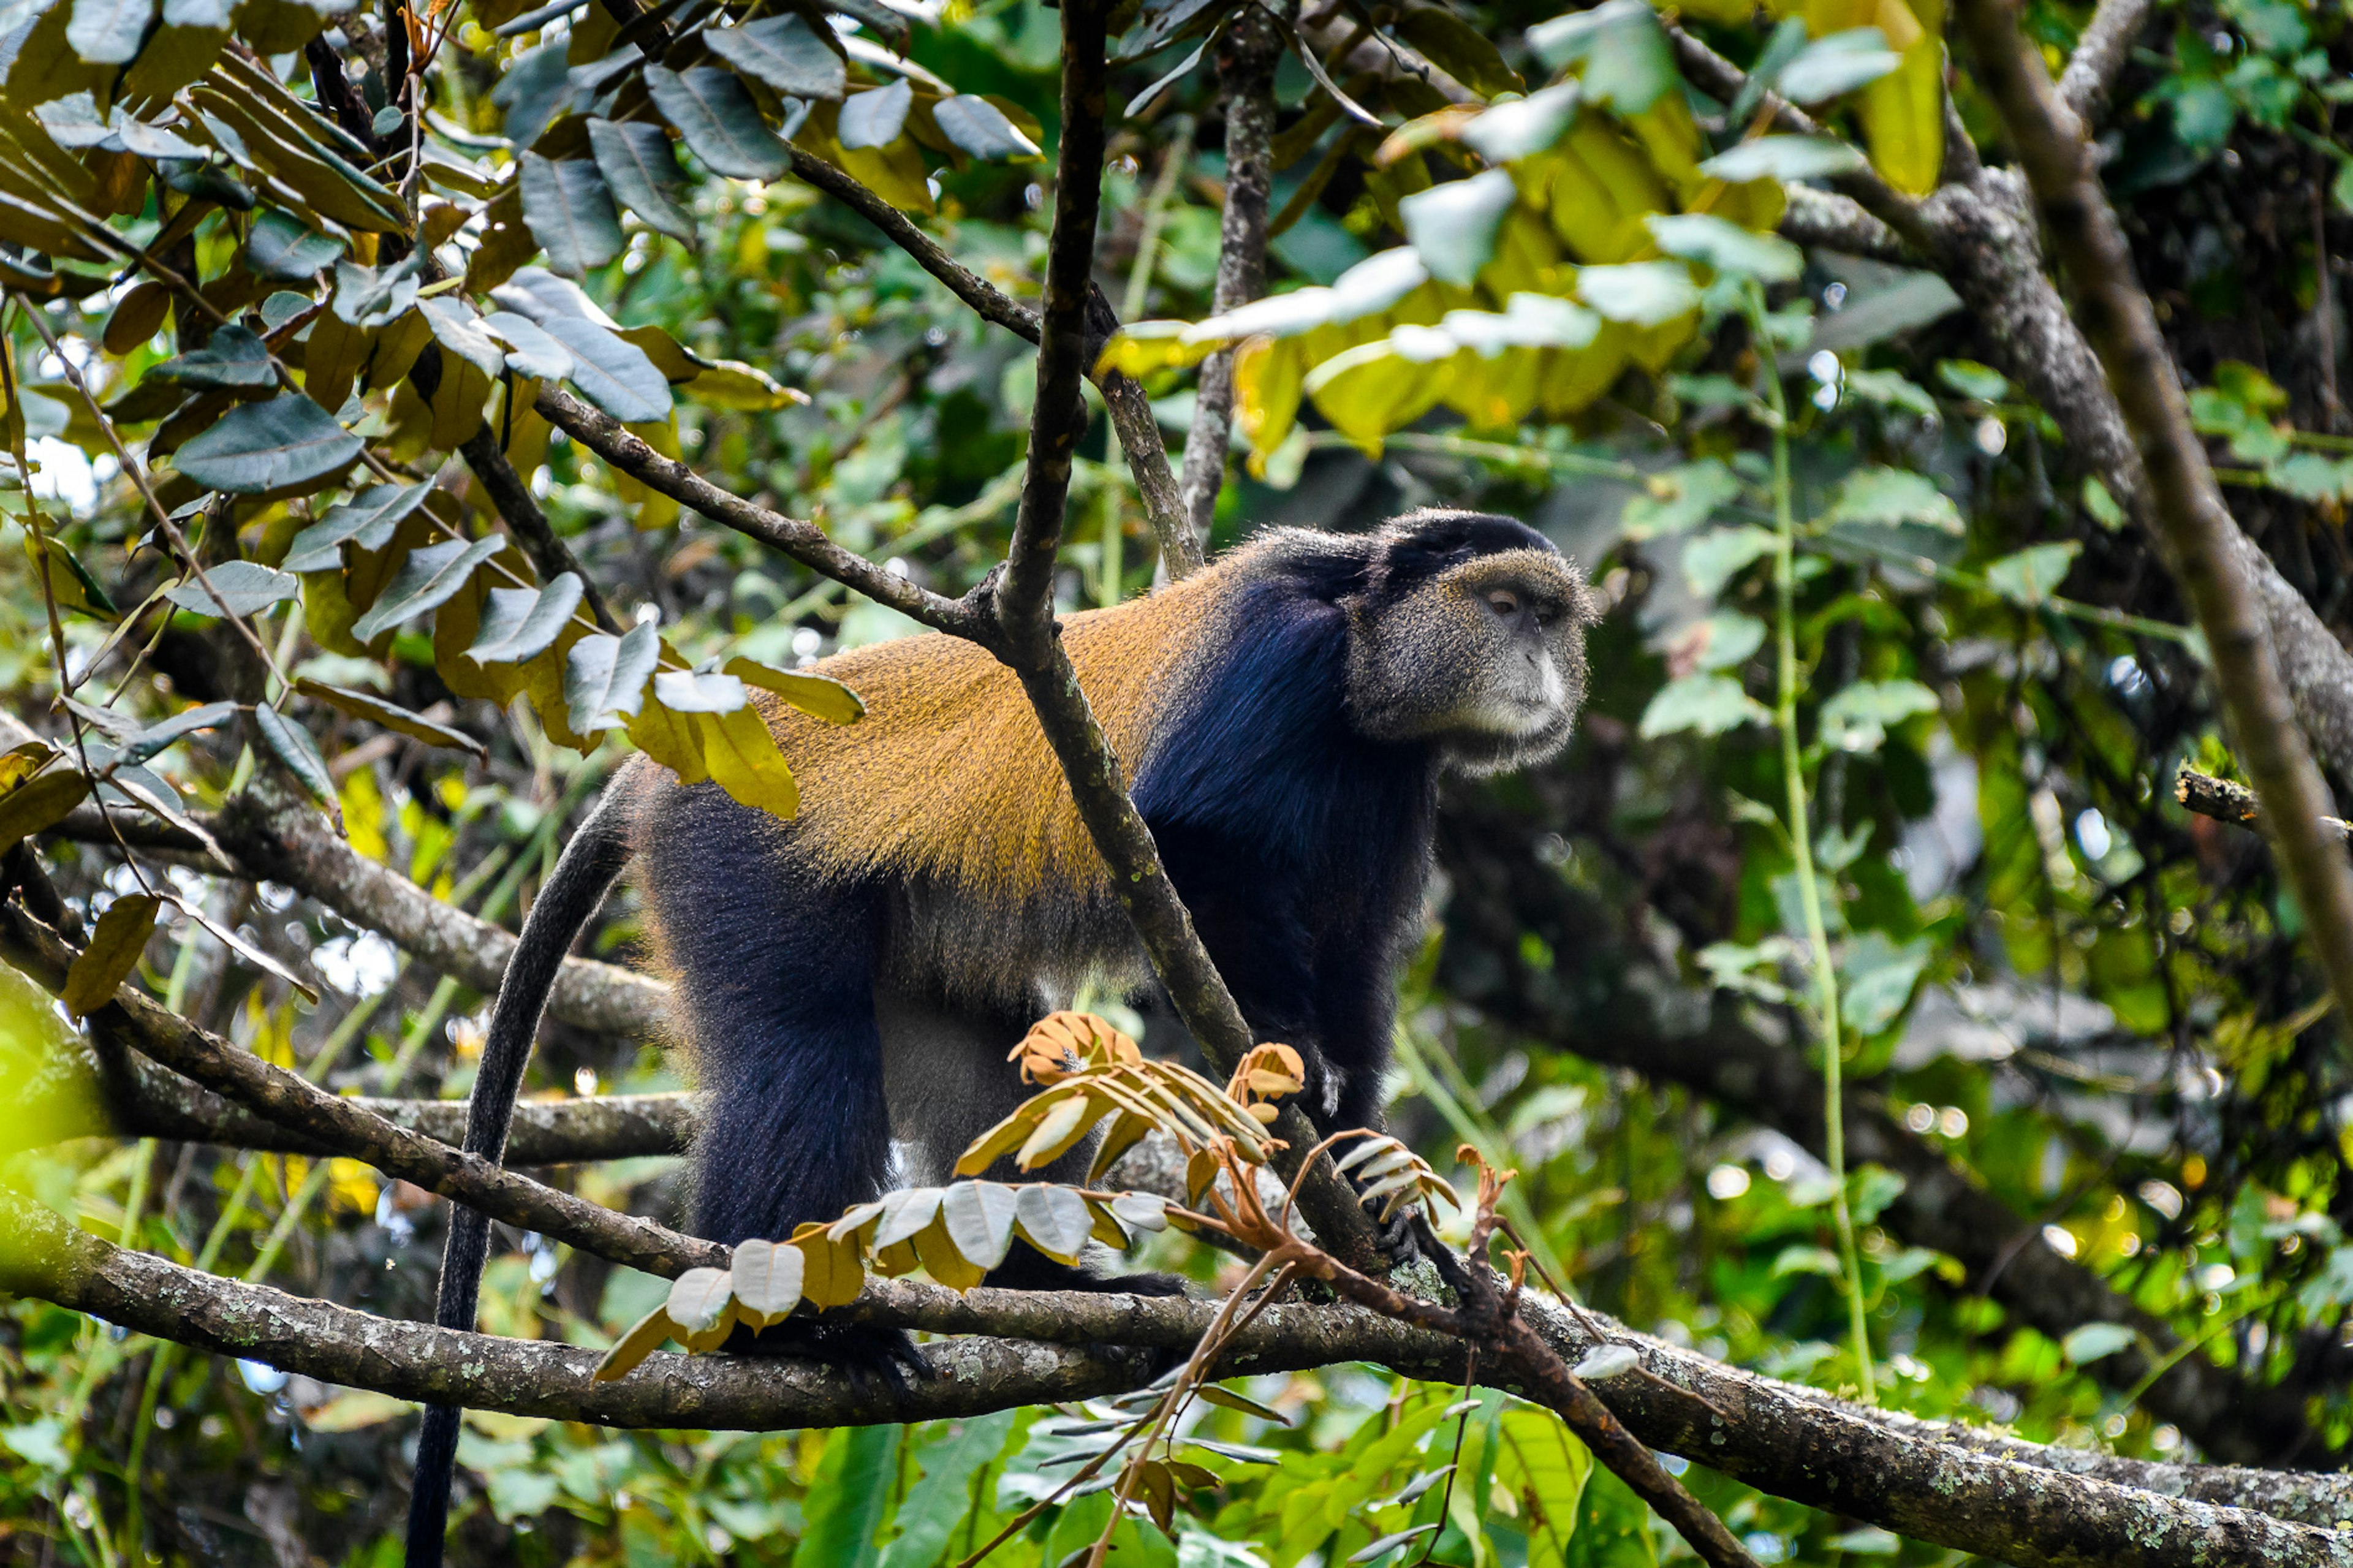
column 1468, row 632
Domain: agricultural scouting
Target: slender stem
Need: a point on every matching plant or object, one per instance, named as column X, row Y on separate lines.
column 1809, row 897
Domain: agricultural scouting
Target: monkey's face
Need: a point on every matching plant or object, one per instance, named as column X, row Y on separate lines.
column 1485, row 657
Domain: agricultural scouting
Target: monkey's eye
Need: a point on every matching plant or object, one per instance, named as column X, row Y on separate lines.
column 1504, row 602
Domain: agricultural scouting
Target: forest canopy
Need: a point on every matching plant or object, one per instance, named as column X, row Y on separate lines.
column 1881, row 1093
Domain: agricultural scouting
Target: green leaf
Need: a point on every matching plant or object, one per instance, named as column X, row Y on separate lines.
column 875, row 118
column 1510, row 131
column 293, row 745
column 1892, row 390
column 1459, row 50
column 1710, row 560
column 1887, row 497
column 785, row 53
column 979, row 129
column 1866, row 1541
column 376, row 710
column 1856, row 718
column 932, row 1507
column 1618, row 44
column 683, row 691
column 1728, row 638
column 428, row 578
column 260, row 448
column 2102, row 505
column 1710, row 704
column 570, row 213
column 1818, row 1260
column 718, row 122
column 605, row 677
column 69, row 581
column 280, row 247
column 640, row 1340
column 1783, row 158
column 1727, row 247
column 367, row 519
column 1679, row 500
column 151, row 741
column 520, row 623
column 850, row 1496
column 641, row 171
column 108, row 31
column 1970, row 379
column 1837, row 65
column 1875, row 979
column 115, row 945
column 1641, row 293
column 235, row 357
column 610, row 371
column 1452, row 227
column 2034, row 574
column 244, row 586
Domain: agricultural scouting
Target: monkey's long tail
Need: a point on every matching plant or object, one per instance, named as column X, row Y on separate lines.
column 573, row 889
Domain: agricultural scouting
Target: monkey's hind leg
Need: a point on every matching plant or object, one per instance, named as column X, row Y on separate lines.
column 774, row 975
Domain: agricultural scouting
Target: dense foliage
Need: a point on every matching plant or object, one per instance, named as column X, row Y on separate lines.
column 1886, row 708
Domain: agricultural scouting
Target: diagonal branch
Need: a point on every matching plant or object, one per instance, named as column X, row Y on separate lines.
column 1973, row 1492
column 2195, row 530
column 134, row 1022
column 2100, row 55
column 1131, row 412
column 550, row 556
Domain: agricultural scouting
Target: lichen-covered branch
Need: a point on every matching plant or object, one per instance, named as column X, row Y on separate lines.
column 2199, row 539
column 1247, row 54
column 2100, row 55
column 134, row 1023
column 2010, row 1500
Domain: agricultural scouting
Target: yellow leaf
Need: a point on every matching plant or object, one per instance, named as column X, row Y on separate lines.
column 1057, row 1131
column 1573, row 379
column 817, row 696
column 1904, row 111
column 1267, row 373
column 641, row 1340
column 670, row 739
column 40, row 804
column 741, row 756
column 942, row 1261
column 766, row 1280
column 732, row 384
column 832, row 1275
column 113, row 952
column 1143, row 347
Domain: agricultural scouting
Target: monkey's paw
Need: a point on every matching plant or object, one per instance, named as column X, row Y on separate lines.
column 861, row 1349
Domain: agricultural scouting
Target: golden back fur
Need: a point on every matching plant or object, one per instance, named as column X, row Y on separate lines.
column 948, row 780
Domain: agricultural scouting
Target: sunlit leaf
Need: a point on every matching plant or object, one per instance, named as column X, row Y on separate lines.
column 1783, row 158
column 1856, row 717
column 1510, row 131
column 1054, row 1218
column 1453, row 226
column 641, row 171
column 741, row 752
column 1641, row 293
column 766, row 1277
column 1710, row 560
column 1619, row 45
column 1727, row 247
column 978, row 1217
column 2032, row 576
column 640, row 1340
column 1836, row 65
column 1889, row 497
column 69, row 581
column 981, row 130
column 1679, row 500
column 819, row 696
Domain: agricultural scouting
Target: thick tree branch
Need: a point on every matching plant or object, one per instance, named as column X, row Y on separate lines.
column 2198, row 535
column 134, row 1022
column 1131, row 412
column 1246, row 60
column 2011, row 1500
column 289, row 848
column 1501, row 888
column 1834, row 222
column 2235, row 803
column 2100, row 54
